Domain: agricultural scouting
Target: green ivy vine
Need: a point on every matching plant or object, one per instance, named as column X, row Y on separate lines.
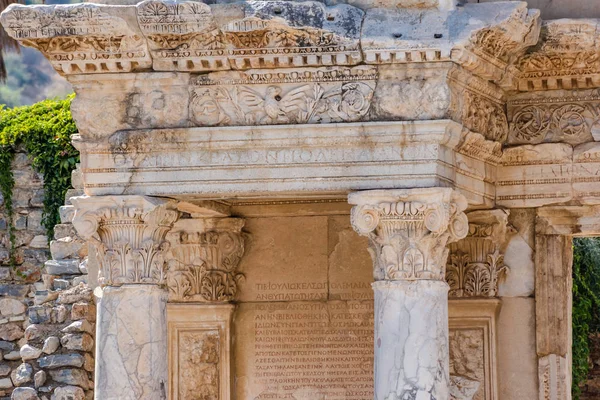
column 44, row 130
column 586, row 305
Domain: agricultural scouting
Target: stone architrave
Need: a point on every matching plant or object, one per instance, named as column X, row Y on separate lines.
column 131, row 328
column 408, row 231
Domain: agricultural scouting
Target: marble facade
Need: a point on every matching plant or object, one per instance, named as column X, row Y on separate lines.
column 241, row 160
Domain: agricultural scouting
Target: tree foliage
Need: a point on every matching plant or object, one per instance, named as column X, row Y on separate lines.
column 586, row 305
column 44, row 130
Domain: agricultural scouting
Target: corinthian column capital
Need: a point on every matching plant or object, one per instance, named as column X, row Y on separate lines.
column 203, row 259
column 409, row 229
column 131, row 232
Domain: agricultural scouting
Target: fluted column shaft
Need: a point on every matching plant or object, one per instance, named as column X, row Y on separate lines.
column 408, row 231
column 131, row 332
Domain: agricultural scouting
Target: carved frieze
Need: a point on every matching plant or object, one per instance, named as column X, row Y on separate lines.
column 408, row 230
column 475, row 264
column 556, row 116
column 182, row 36
column 82, row 38
column 282, row 97
column 131, row 230
column 203, row 260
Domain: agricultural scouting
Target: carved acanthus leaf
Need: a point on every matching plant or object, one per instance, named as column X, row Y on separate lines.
column 409, row 230
column 204, row 257
column 475, row 264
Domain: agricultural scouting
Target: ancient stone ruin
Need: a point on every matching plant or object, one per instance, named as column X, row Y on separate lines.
column 241, row 160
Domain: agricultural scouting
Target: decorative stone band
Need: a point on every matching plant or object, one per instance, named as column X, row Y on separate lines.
column 476, row 263
column 131, row 232
column 203, row 259
column 409, row 229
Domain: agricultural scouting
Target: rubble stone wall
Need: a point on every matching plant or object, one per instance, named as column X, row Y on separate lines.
column 47, row 311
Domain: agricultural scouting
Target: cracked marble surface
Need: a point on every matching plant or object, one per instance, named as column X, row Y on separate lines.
column 411, row 340
column 131, row 360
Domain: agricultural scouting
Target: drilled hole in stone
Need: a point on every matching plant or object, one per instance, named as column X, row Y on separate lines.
column 397, row 35
column 438, row 35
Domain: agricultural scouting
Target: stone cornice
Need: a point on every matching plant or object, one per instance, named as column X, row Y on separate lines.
column 408, row 230
column 567, row 56
column 191, row 36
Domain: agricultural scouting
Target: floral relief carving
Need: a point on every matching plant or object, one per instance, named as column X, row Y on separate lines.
column 187, row 36
column 475, row 264
column 273, row 100
column 198, row 365
column 569, row 118
column 567, row 49
column 408, row 236
column 203, row 264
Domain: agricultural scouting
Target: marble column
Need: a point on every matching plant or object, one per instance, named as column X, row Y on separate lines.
column 408, row 231
column 131, row 330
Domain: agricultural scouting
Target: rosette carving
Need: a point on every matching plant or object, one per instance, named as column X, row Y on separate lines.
column 408, row 230
column 129, row 232
column 203, row 260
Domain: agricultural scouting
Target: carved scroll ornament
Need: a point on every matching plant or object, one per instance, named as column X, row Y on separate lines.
column 408, row 230
column 571, row 117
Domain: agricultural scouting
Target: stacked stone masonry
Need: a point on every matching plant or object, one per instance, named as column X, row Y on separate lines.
column 48, row 311
column 220, row 145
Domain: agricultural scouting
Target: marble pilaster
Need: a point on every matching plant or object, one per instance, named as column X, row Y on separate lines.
column 129, row 234
column 408, row 231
